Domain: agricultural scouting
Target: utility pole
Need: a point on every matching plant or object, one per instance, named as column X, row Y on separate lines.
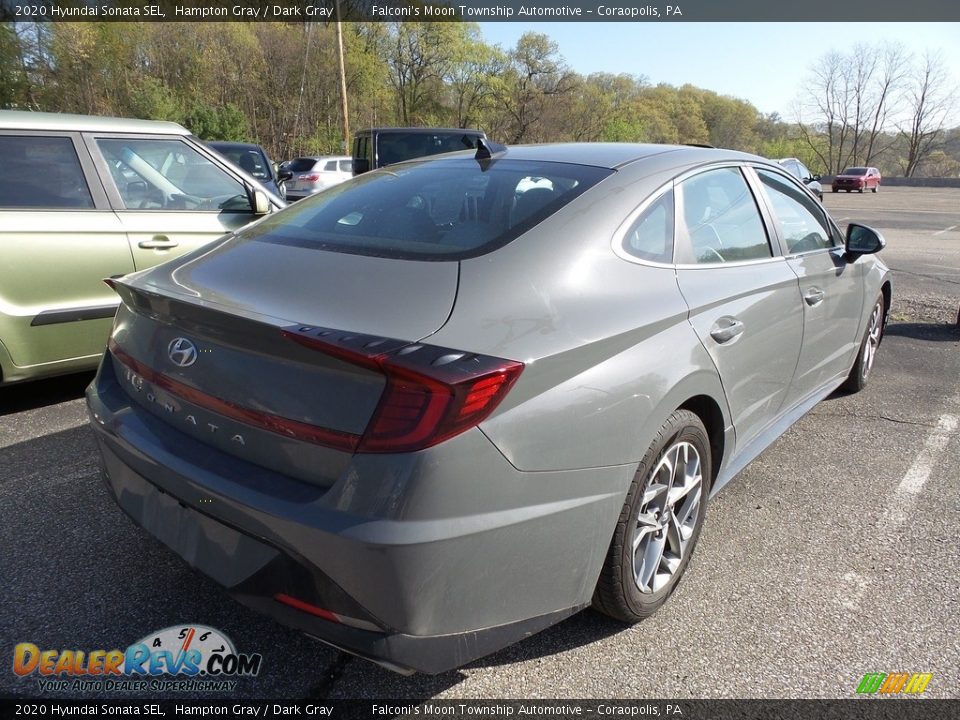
column 343, row 81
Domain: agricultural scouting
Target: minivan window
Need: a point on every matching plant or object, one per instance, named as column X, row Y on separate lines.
column 41, row 172
column 430, row 210
column 169, row 175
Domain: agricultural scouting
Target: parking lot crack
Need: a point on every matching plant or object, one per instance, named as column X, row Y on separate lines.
column 887, row 418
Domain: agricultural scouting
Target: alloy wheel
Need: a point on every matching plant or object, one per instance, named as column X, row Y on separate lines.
column 875, row 330
column 669, row 512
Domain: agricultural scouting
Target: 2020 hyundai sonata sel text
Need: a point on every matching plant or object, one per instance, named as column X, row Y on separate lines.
column 446, row 404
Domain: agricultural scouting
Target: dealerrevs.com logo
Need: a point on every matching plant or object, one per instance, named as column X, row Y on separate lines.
column 184, row 658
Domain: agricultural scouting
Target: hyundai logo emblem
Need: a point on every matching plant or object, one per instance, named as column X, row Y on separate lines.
column 182, row 352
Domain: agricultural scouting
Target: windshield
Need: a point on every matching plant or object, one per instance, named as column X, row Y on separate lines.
column 430, row 210
column 855, row 171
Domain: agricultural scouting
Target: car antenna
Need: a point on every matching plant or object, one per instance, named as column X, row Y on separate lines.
column 486, row 149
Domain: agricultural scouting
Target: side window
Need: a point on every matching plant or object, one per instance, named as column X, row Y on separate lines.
column 720, row 219
column 801, row 223
column 170, row 175
column 41, row 172
column 330, row 166
column 346, row 166
column 804, row 173
column 651, row 235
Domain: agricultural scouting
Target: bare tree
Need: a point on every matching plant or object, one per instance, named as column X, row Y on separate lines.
column 826, row 102
column 894, row 67
column 847, row 101
column 931, row 97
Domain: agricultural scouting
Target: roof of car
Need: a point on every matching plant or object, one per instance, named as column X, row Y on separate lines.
column 615, row 155
column 26, row 120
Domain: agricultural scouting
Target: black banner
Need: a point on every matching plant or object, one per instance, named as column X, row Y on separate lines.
column 860, row 709
column 475, row 10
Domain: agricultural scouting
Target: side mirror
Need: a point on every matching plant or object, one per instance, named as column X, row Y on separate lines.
column 361, row 165
column 284, row 175
column 815, row 178
column 261, row 204
column 863, row 240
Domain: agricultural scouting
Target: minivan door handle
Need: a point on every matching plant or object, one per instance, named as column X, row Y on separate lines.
column 813, row 296
column 158, row 242
column 726, row 329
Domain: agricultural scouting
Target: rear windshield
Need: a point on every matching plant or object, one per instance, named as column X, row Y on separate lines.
column 855, row 171
column 301, row 164
column 433, row 210
column 393, row 147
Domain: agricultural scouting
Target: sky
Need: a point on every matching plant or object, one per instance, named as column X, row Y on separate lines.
column 763, row 63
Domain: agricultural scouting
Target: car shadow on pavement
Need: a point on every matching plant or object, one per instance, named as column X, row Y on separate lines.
column 39, row 393
column 934, row 332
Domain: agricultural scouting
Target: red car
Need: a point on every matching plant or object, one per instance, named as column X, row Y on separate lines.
column 857, row 178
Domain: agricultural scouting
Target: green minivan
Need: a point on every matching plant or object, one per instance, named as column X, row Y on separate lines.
column 88, row 198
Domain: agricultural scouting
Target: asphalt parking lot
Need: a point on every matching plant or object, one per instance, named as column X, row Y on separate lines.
column 834, row 554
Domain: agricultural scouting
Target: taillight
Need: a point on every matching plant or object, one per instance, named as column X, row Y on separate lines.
column 310, row 178
column 431, row 394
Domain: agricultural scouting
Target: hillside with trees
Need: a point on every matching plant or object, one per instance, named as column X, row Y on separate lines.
column 278, row 84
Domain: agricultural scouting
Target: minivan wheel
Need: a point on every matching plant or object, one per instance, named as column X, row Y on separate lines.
column 860, row 372
column 659, row 523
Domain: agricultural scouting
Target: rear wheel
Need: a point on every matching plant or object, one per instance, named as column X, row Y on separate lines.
column 860, row 372
column 659, row 523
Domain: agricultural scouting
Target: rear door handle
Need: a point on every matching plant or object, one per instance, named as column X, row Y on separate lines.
column 158, row 242
column 726, row 329
column 813, row 296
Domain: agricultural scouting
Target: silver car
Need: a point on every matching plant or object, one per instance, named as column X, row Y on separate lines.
column 447, row 404
column 313, row 174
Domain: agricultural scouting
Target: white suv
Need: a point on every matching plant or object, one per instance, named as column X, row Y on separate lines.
column 313, row 174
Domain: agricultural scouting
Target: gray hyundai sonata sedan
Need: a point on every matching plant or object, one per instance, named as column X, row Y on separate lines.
column 446, row 404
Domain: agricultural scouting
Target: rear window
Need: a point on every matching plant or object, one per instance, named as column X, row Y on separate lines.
column 301, row 164
column 395, row 147
column 444, row 210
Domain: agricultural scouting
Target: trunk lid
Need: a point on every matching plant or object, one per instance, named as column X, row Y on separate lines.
column 201, row 345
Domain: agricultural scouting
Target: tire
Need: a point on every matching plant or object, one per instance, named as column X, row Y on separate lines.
column 860, row 372
column 860, row 190
column 848, row 191
column 835, row 190
column 631, row 596
column 876, row 188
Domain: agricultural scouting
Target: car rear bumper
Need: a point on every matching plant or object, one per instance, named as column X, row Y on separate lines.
column 397, row 578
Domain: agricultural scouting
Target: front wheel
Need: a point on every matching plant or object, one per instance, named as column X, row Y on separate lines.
column 860, row 372
column 659, row 523
column 876, row 188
